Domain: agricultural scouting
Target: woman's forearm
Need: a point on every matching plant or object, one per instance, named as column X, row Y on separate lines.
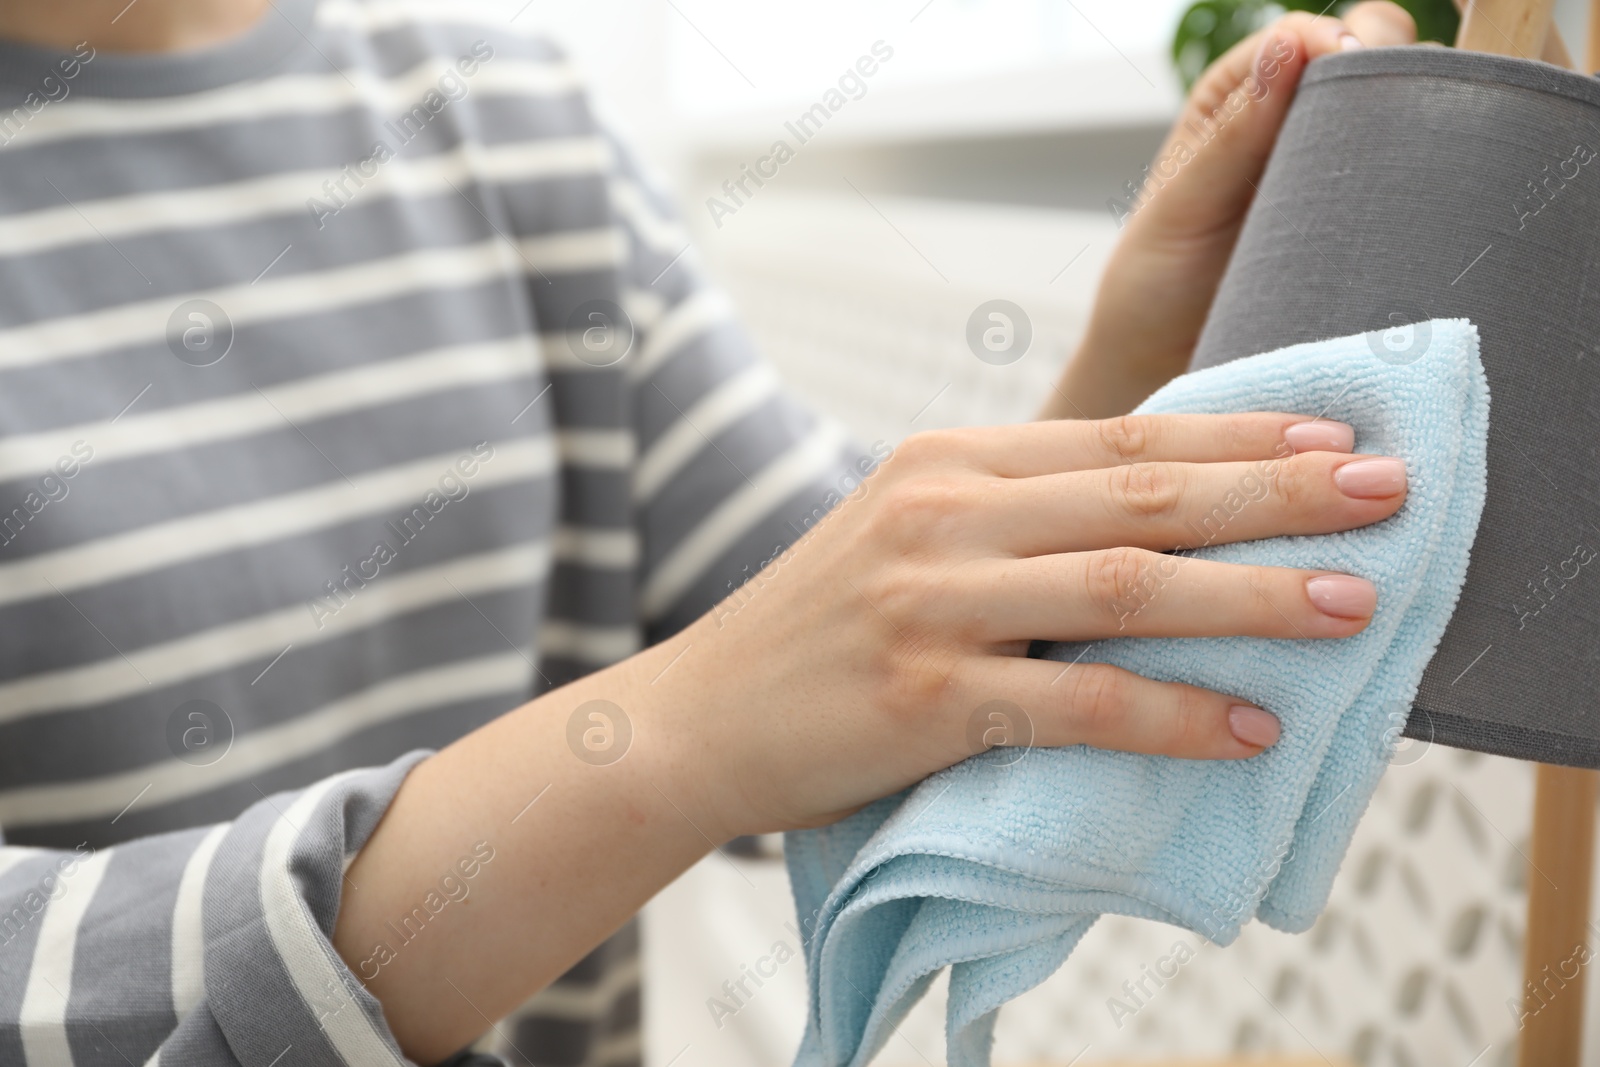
column 506, row 857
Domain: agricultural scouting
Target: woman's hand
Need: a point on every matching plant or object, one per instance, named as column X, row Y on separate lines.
column 1179, row 231
column 854, row 665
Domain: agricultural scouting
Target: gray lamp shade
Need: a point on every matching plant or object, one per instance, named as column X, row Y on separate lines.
column 1418, row 183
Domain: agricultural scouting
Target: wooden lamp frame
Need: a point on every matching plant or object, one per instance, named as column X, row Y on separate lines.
column 1564, row 797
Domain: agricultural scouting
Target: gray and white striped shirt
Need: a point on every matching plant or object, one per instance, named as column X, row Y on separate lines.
column 354, row 388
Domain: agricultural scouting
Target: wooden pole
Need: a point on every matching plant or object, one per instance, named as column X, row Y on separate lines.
column 1506, row 27
column 1558, row 916
column 1591, row 51
column 1555, row 49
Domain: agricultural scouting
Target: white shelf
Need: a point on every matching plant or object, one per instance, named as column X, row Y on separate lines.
column 1139, row 89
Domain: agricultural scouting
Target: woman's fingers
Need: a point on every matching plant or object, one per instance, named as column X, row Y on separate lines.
column 1130, row 592
column 1165, row 506
column 1240, row 101
column 1377, row 22
column 1230, row 121
column 1040, row 448
column 1018, row 702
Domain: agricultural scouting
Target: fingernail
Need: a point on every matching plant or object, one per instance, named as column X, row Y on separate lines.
column 1320, row 435
column 1368, row 479
column 1348, row 42
column 1343, row 596
column 1253, row 726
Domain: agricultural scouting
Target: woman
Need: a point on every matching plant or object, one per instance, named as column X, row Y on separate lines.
column 356, row 389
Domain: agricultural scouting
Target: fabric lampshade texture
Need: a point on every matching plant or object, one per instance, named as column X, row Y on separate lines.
column 1414, row 184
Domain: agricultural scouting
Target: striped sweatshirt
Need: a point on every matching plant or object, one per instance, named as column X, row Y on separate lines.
column 354, row 388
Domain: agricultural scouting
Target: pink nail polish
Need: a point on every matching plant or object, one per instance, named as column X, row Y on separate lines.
column 1343, row 596
column 1369, row 479
column 1319, row 435
column 1253, row 726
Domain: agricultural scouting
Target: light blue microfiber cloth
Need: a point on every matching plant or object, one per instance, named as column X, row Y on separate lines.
column 996, row 867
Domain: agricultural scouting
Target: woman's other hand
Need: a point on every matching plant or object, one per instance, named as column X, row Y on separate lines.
column 1180, row 229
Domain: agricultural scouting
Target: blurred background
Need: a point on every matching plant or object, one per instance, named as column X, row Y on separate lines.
column 976, row 164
